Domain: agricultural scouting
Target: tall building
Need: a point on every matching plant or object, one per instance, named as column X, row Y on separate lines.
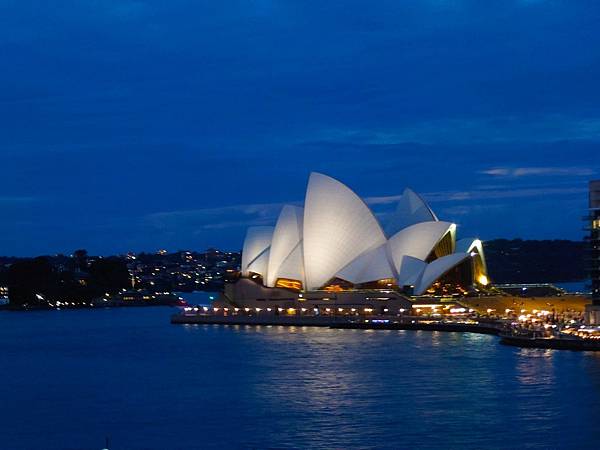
column 594, row 238
column 592, row 312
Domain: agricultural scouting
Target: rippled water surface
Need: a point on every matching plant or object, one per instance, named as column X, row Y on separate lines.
column 70, row 378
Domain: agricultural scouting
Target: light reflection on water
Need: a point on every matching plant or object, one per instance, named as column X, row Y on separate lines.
column 151, row 385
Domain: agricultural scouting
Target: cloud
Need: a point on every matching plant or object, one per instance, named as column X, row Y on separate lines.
column 383, row 200
column 252, row 214
column 481, row 194
column 468, row 210
column 127, row 10
column 8, row 200
column 242, row 215
column 474, row 130
column 500, row 194
column 516, row 172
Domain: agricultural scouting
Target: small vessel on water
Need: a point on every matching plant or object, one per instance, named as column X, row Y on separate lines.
column 583, row 338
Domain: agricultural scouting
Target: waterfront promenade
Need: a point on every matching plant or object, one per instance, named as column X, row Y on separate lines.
column 344, row 322
column 542, row 331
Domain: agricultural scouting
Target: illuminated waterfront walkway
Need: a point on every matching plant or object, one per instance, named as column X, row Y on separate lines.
column 571, row 337
column 341, row 321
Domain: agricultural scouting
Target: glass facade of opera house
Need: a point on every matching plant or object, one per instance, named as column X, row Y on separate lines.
column 334, row 248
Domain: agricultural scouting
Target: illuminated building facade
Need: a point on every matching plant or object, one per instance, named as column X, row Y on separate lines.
column 3, row 295
column 334, row 244
column 594, row 238
column 592, row 311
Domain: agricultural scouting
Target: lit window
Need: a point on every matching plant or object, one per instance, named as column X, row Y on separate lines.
column 288, row 284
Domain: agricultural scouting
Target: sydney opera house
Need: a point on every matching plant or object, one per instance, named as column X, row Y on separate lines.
column 334, row 248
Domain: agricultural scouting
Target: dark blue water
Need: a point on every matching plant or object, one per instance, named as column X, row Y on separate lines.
column 198, row 297
column 575, row 286
column 69, row 378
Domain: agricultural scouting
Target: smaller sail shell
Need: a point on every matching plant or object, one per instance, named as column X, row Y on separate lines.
column 411, row 209
column 258, row 239
column 372, row 265
column 436, row 269
column 286, row 237
column 260, row 264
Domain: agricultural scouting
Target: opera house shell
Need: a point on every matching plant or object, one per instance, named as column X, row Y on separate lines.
column 335, row 242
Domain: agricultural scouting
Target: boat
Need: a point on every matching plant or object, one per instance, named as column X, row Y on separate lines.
column 560, row 342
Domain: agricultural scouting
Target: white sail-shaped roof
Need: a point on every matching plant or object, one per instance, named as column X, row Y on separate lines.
column 338, row 227
column 468, row 245
column 257, row 240
column 472, row 245
column 411, row 269
column 417, row 240
column 287, row 235
column 438, row 268
column 292, row 267
column 372, row 265
column 260, row 264
column 337, row 235
column 411, row 209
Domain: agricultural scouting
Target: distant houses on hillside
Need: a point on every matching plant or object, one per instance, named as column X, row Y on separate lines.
column 83, row 277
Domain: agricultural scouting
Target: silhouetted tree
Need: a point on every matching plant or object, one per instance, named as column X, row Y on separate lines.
column 109, row 275
column 81, row 259
column 30, row 281
column 4, row 275
column 530, row 261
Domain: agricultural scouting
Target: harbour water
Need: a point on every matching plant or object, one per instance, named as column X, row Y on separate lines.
column 575, row 286
column 72, row 377
column 198, row 297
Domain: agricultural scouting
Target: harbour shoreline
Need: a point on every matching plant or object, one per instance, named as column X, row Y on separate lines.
column 489, row 327
column 342, row 322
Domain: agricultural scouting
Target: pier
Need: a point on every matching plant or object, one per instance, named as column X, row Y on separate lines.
column 344, row 322
column 570, row 339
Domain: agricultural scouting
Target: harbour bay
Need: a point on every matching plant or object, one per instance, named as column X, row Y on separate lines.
column 72, row 377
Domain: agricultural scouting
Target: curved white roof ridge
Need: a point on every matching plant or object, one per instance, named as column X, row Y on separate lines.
column 411, row 270
column 257, row 240
column 338, row 227
column 293, row 266
column 437, row 269
column 371, row 265
column 465, row 245
column 410, row 209
column 420, row 197
column 286, row 236
column 468, row 245
column 418, row 240
column 260, row 264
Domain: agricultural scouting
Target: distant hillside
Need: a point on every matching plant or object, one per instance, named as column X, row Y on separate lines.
column 509, row 261
column 519, row 261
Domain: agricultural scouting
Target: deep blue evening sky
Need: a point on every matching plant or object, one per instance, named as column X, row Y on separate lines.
column 138, row 125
